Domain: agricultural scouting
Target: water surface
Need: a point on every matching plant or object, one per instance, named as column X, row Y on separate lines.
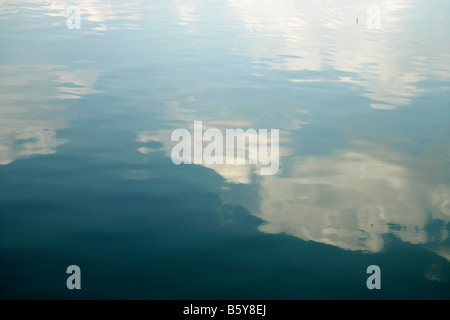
column 86, row 175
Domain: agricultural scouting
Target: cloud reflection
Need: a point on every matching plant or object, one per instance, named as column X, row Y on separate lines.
column 187, row 10
column 30, row 114
column 237, row 174
column 350, row 200
column 100, row 12
column 311, row 35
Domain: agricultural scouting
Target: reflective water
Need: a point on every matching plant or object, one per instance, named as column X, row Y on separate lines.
column 86, row 175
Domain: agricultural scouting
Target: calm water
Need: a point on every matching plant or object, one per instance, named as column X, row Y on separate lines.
column 86, row 175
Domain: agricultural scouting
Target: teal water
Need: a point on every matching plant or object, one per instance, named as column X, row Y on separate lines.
column 86, row 176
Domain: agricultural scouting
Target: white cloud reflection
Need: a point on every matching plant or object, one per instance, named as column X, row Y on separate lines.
column 238, row 174
column 100, row 12
column 187, row 11
column 29, row 112
column 311, row 35
column 350, row 200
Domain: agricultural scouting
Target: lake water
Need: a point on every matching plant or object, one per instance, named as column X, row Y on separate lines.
column 360, row 94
